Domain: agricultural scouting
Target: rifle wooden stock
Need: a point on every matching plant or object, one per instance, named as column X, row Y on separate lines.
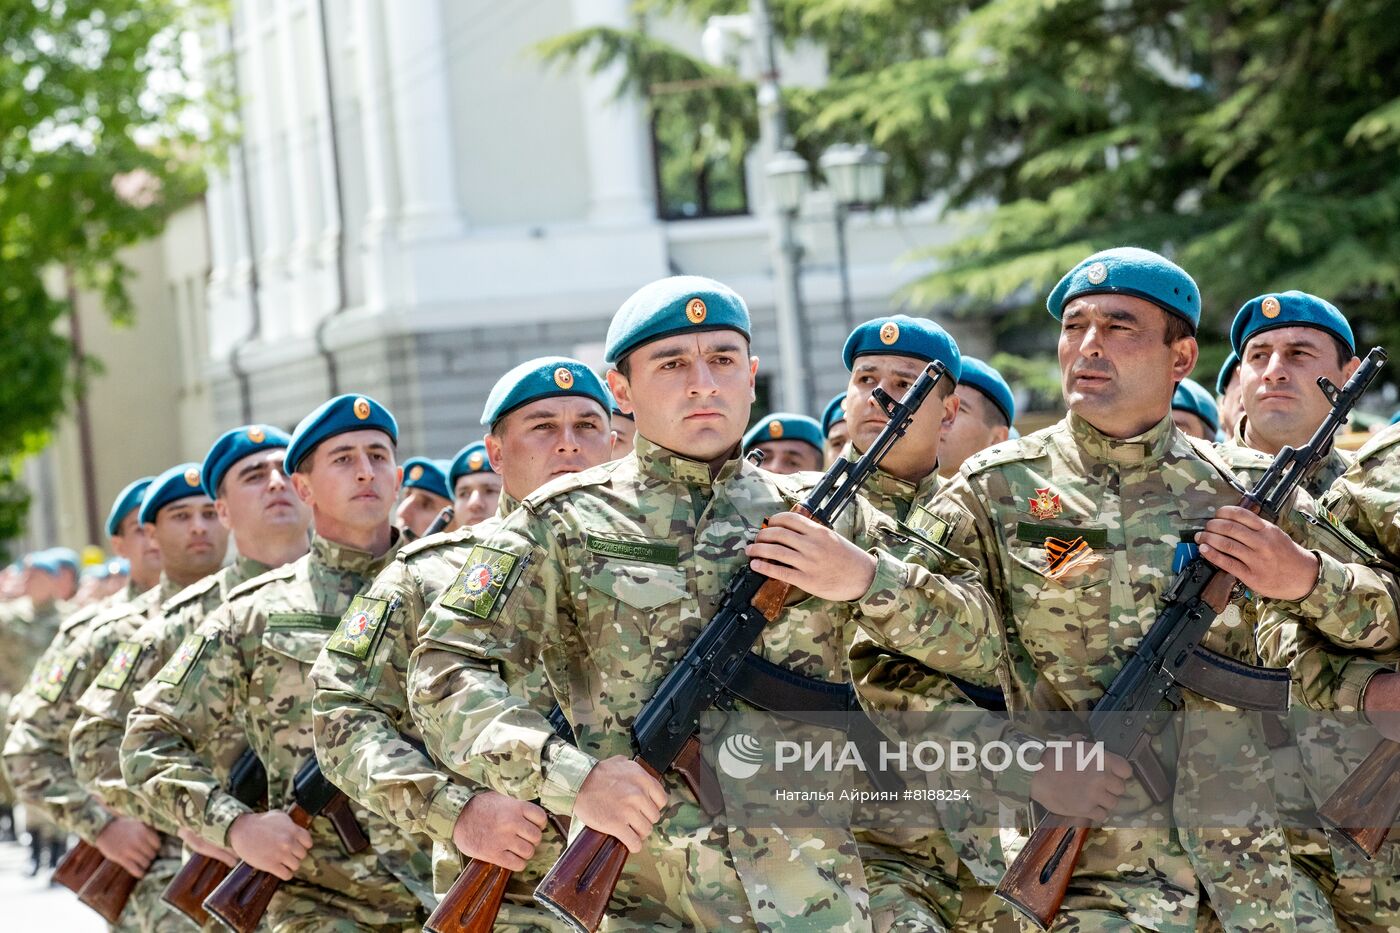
column 77, row 866
column 1037, row 880
column 577, row 889
column 195, row 881
column 473, row 901
column 108, row 890
column 240, row 901
column 1364, row 807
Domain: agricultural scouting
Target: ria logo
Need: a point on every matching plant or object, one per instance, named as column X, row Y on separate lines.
column 740, row 756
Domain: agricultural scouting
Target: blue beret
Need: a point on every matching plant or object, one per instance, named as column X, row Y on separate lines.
column 340, row 415
column 988, row 381
column 43, row 560
column 178, row 482
column 470, row 459
column 833, row 414
column 1129, row 270
column 233, row 446
column 97, row 571
column 65, row 557
column 784, row 426
column 902, row 335
column 1190, row 396
column 1227, row 369
column 543, row 377
column 1395, row 418
column 427, row 475
column 128, row 499
column 119, row 566
column 1288, row 309
column 676, row 305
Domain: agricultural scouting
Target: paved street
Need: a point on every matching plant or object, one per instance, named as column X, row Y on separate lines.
column 32, row 904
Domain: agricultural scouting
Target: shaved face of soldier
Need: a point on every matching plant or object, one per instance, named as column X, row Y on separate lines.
column 1278, row 383
column 626, row 430
column 477, row 496
column 1231, row 403
column 787, row 456
column 256, row 498
column 914, row 455
column 136, row 543
column 548, row 438
column 691, row 393
column 978, row 426
column 836, row 440
column 351, row 486
column 1192, row 425
column 1116, row 370
column 417, row 510
column 192, row 540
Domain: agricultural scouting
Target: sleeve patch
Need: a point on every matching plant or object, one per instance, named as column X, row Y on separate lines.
column 482, row 581
column 359, row 627
column 50, row 681
column 182, row 661
column 117, row 671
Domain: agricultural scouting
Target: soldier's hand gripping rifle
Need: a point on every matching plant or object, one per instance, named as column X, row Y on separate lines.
column 201, row 874
column 1147, row 689
column 474, row 900
column 240, row 901
column 581, row 883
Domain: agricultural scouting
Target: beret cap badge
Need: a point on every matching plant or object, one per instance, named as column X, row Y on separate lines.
column 257, row 435
column 563, row 378
column 695, row 310
column 416, row 473
column 775, row 429
column 475, row 460
column 889, row 333
column 361, row 408
column 192, row 476
column 1270, row 307
column 1096, row 273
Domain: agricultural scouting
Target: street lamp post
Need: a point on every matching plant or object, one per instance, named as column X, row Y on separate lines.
column 855, row 175
column 787, row 185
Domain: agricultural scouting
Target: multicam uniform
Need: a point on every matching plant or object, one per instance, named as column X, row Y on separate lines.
column 1332, row 675
column 29, row 630
column 250, row 662
column 367, row 742
column 97, row 736
column 40, row 719
column 604, row 578
column 1073, row 534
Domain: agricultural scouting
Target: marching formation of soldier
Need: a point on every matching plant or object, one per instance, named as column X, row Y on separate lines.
column 461, row 649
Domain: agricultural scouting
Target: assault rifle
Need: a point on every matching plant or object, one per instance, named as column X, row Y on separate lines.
column 201, row 874
column 474, row 900
column 581, row 883
column 1147, row 690
column 240, row 901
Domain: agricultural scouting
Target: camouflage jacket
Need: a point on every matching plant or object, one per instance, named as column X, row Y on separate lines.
column 366, row 739
column 41, row 717
column 1245, row 460
column 30, row 630
column 604, row 578
column 250, row 662
column 1020, row 512
column 97, row 736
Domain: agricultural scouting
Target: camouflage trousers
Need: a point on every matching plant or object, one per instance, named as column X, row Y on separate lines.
column 304, row 908
column 1358, row 902
column 146, row 912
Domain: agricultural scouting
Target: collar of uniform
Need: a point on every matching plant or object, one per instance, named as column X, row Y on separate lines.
column 1152, row 444
column 506, row 504
column 887, row 486
column 131, row 591
column 659, row 463
column 349, row 559
column 1236, row 437
column 244, row 569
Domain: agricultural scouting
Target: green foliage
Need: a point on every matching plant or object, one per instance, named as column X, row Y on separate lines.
column 1257, row 142
column 97, row 147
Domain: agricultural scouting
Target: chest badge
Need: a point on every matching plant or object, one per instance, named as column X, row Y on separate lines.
column 1045, row 504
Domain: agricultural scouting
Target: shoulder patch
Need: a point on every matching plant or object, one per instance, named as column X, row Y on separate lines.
column 182, row 661
column 441, row 539
column 117, row 671
column 190, row 593
column 1030, row 447
column 561, row 485
column 483, row 580
column 285, row 572
column 49, row 681
column 359, row 627
column 929, row 526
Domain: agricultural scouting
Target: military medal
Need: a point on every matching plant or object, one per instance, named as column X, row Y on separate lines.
column 1045, row 504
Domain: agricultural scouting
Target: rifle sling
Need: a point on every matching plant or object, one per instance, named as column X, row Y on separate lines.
column 1235, row 683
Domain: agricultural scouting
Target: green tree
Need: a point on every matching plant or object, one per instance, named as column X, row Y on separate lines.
column 98, row 138
column 1257, row 142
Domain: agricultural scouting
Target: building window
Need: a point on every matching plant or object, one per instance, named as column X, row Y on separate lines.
column 699, row 172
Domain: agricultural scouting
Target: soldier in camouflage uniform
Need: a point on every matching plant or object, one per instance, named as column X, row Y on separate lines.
column 547, row 417
column 476, row 488
column 36, row 748
column 789, row 443
column 921, row 879
column 1073, row 530
column 425, row 495
column 604, row 578
column 250, row 662
column 255, row 503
